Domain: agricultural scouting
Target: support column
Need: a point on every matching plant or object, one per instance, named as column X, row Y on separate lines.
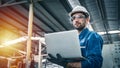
column 40, row 57
column 30, row 25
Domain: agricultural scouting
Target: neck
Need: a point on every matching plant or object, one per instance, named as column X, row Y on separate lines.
column 79, row 31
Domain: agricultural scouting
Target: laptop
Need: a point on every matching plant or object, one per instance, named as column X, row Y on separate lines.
column 66, row 43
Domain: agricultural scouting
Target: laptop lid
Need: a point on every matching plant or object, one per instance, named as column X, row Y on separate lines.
column 66, row 43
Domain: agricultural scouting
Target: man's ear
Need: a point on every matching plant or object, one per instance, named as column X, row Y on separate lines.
column 87, row 20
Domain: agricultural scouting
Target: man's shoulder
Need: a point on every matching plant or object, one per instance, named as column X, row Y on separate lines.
column 94, row 34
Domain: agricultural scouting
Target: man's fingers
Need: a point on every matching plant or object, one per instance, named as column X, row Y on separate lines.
column 48, row 59
column 59, row 56
column 51, row 56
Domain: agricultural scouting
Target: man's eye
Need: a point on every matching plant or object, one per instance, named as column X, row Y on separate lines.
column 81, row 17
column 78, row 17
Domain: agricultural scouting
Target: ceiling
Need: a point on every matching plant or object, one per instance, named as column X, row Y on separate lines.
column 52, row 16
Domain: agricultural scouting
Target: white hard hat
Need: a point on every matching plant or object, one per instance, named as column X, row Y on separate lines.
column 78, row 9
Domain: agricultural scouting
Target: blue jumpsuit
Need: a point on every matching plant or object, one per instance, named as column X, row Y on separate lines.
column 93, row 44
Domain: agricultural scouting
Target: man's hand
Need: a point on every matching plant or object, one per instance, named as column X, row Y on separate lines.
column 74, row 65
column 59, row 60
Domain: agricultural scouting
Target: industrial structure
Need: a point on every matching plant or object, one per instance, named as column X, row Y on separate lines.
column 23, row 24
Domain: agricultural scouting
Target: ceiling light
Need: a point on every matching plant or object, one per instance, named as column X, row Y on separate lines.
column 21, row 39
column 113, row 32
column 110, row 32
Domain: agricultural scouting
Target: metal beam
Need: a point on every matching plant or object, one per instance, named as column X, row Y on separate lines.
column 11, row 2
column 0, row 2
column 119, row 13
column 43, row 4
column 83, row 3
column 51, row 21
column 67, row 5
column 4, row 5
column 102, row 10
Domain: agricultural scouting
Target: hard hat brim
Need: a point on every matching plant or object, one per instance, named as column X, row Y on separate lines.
column 72, row 13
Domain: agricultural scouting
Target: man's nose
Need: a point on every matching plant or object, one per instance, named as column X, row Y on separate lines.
column 76, row 19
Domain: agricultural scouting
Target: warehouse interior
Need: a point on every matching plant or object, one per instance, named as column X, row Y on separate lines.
column 53, row 16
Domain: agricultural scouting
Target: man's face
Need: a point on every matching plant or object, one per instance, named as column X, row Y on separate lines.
column 79, row 21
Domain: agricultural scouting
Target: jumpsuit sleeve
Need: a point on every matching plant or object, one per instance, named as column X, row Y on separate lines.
column 94, row 58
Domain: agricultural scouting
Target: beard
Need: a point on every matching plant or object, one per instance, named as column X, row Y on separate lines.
column 81, row 27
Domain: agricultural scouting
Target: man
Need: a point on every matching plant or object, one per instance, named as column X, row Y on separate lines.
column 90, row 40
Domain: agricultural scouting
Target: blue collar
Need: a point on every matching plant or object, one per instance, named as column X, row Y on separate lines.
column 83, row 33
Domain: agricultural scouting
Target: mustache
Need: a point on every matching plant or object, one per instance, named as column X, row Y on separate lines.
column 77, row 23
